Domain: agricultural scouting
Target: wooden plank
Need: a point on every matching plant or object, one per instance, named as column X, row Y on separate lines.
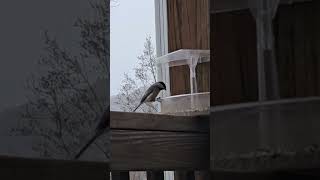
column 159, row 122
column 27, row 168
column 234, row 51
column 296, row 38
column 156, row 150
column 203, row 77
column 179, row 80
column 120, row 175
column 155, row 175
column 188, row 26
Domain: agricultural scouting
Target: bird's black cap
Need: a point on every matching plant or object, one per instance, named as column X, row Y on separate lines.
column 164, row 85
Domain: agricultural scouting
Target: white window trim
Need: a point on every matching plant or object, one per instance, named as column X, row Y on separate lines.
column 161, row 23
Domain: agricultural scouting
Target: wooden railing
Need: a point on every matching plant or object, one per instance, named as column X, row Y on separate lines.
column 193, row 146
column 156, row 143
column 139, row 142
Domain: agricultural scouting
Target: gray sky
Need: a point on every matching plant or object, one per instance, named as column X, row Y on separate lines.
column 131, row 22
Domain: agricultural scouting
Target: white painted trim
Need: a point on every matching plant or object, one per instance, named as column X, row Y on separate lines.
column 161, row 22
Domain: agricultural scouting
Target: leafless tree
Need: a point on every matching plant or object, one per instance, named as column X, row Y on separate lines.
column 133, row 88
column 69, row 92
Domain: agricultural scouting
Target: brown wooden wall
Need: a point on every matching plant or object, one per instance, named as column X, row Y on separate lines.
column 180, row 78
column 233, row 58
column 203, row 77
column 188, row 24
column 188, row 28
column 297, row 34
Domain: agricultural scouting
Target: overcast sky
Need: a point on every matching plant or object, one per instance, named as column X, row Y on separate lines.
column 131, row 22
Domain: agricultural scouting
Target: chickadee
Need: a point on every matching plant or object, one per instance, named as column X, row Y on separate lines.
column 100, row 129
column 151, row 93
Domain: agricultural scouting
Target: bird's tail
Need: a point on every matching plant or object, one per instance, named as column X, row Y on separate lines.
column 84, row 148
column 137, row 107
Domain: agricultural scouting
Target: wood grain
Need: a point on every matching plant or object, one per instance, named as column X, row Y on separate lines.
column 203, row 77
column 234, row 58
column 297, row 43
column 179, row 80
column 152, row 150
column 159, row 122
column 188, row 24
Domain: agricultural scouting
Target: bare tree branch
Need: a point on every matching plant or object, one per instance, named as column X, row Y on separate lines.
column 133, row 88
column 64, row 103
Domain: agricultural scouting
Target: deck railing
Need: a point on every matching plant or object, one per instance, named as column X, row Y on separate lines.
column 157, row 143
column 192, row 146
column 139, row 142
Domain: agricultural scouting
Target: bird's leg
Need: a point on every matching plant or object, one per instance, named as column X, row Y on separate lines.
column 159, row 99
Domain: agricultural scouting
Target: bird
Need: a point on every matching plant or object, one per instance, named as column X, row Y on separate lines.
column 99, row 130
column 151, row 93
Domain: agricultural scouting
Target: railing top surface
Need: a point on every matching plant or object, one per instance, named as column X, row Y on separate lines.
column 159, row 122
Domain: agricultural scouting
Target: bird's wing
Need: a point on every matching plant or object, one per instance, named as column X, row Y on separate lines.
column 147, row 93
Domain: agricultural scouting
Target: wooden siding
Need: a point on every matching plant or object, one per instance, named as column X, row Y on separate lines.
column 297, row 40
column 179, row 80
column 188, row 24
column 234, row 58
column 203, row 77
column 188, row 28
